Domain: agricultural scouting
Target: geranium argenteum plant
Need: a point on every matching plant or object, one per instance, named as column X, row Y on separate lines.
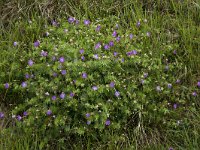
column 84, row 80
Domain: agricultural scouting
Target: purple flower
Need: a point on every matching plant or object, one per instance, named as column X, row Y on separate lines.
column 198, row 83
column 129, row 53
column 49, row 112
column 114, row 34
column 54, row 23
column 87, row 115
column 25, row 113
column 148, row 34
column 115, row 53
column 53, row 97
column 36, row 43
column 158, row 88
column 170, row 148
column 133, row 52
column 131, row 36
column 142, row 81
column 138, row 24
column 1, row 115
column 71, row 94
column 19, row 117
column 122, row 60
column 175, row 106
column 111, row 43
column 27, row 76
column 194, row 93
column 15, row 43
column 145, row 75
column 107, row 123
column 82, row 58
column 117, row 93
column 6, row 85
column 88, row 122
column 86, row 22
column 175, row 52
column 63, row 72
column 97, row 46
column 84, row 75
column 62, row 59
column 169, row 85
column 44, row 53
column 81, row 51
column 55, row 74
column 118, row 39
column 71, row 20
column 98, row 28
column 30, row 62
column 77, row 22
column 24, row 84
column 112, row 84
column 106, row 46
column 95, row 56
column 95, row 88
column 62, row 95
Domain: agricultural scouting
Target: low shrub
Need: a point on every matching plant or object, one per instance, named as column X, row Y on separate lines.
column 85, row 77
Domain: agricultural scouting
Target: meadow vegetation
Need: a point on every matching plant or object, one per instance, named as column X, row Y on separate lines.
column 107, row 74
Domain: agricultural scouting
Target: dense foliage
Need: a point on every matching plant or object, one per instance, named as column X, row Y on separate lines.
column 117, row 82
column 82, row 77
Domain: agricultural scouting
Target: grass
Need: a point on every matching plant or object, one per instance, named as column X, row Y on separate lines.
column 169, row 22
column 185, row 138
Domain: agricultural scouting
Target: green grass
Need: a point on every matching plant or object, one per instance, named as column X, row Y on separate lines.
column 183, row 138
column 169, row 22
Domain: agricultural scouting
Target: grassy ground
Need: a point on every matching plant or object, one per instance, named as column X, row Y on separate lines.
column 171, row 22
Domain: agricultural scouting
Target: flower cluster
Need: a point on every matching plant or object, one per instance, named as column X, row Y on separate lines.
column 85, row 77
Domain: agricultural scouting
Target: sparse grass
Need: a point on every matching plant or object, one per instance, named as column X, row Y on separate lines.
column 168, row 21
